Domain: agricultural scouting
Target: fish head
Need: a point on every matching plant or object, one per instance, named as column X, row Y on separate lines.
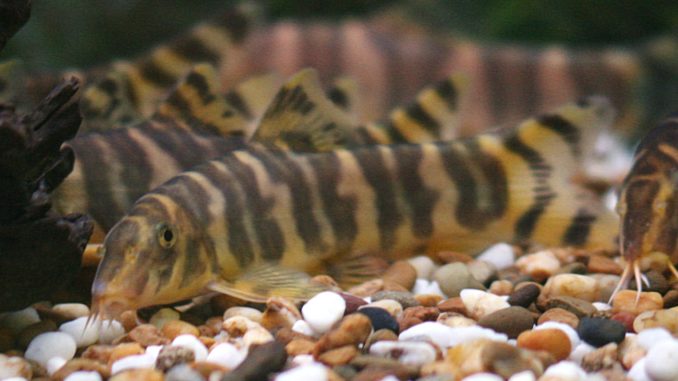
column 155, row 255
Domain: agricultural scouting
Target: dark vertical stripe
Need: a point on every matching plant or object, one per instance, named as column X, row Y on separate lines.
column 494, row 174
column 199, row 83
column 150, row 70
column 194, row 264
column 393, row 133
column 234, row 23
column 237, row 102
column 191, row 48
column 448, row 93
column 565, row 129
column 191, row 197
column 340, row 211
column 186, row 113
column 379, row 177
column 578, row 232
column 417, row 113
column 135, row 176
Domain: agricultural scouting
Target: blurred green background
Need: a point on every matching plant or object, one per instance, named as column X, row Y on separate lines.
column 80, row 33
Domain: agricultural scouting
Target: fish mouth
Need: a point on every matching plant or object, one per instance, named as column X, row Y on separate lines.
column 110, row 307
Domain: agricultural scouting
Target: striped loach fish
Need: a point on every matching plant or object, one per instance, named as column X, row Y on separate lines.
column 648, row 204
column 116, row 167
column 259, row 222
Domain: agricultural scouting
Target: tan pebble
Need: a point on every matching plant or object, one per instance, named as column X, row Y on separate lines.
column 279, row 313
column 579, row 307
column 256, row 336
column 70, row 311
column 285, row 335
column 567, row 255
column 12, row 366
column 367, row 288
column 248, row 312
column 401, row 273
column 299, row 347
column 327, row 281
column 630, row 352
column 606, row 285
column 124, row 350
column 625, row 300
column 138, row 375
column 559, row 315
column 539, row 265
column 441, row 368
column 428, row 300
column 551, row 340
column 602, row 264
column 171, row 355
column 207, row 340
column 654, row 261
column 81, row 364
column 501, row 287
column 338, row 356
column 452, row 305
column 578, row 286
column 380, row 335
column 453, row 256
column 163, row 316
column 417, row 315
column 237, row 326
column 27, row 334
column 174, row 328
column 6, row 339
column 671, row 299
column 393, row 307
column 601, row 358
column 209, row 370
column 129, row 320
column 657, row 318
column 352, row 330
column 100, row 353
column 145, row 335
column 454, row 319
column 211, row 327
column 392, row 286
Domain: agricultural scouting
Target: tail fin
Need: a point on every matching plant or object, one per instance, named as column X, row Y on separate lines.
column 542, row 157
column 431, row 117
column 302, row 119
column 196, row 105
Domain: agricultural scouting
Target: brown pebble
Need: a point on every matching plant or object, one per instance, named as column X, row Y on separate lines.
column 207, row 369
column 658, row 282
column 503, row 359
column 551, row 340
column 145, row 335
column 376, row 364
column 405, row 298
column 380, row 335
column 299, row 347
column 602, row 264
column 604, row 357
column 352, row 302
column 417, row 315
column 171, row 355
column 353, row 329
column 279, row 313
column 327, row 281
column 559, row 315
column 524, row 294
column 129, row 320
column 670, row 299
column 174, row 328
column 83, row 364
column 501, row 287
column 401, row 273
column 428, row 300
column 392, row 286
column 367, row 288
column 6, row 339
column 512, row 321
column 452, row 305
column 261, row 361
column 285, row 335
column 207, row 341
column 625, row 300
column 138, row 375
column 626, row 318
column 579, row 307
column 100, row 353
column 338, row 356
column 453, row 256
column 124, row 350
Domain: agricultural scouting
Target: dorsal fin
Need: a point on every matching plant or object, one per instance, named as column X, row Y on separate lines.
column 195, row 104
column 107, row 103
column 432, row 116
column 345, row 95
column 252, row 96
column 302, row 119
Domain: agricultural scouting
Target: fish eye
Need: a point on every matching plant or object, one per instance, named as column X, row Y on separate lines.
column 166, row 235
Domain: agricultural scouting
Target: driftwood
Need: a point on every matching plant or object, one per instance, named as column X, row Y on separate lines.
column 39, row 250
column 13, row 15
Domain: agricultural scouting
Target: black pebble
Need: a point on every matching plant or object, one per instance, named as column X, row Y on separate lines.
column 599, row 331
column 380, row 318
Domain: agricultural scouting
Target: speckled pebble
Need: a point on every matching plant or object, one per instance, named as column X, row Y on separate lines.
column 578, row 286
column 380, row 318
column 480, row 303
column 599, row 331
column 408, row 353
column 191, row 342
column 406, row 299
column 49, row 345
column 512, row 321
column 539, row 265
column 454, row 277
column 323, row 310
column 171, row 355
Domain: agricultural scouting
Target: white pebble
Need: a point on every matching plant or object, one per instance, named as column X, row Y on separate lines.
column 425, row 287
column 661, row 362
column 191, row 342
column 525, row 375
column 314, row 371
column 479, row 303
column 408, row 353
column 569, row 331
column 54, row 364
column 500, row 255
column 423, row 265
column 225, row 354
column 638, row 371
column 445, row 337
column 153, row 351
column 14, row 379
column 145, row 361
column 539, row 265
column 600, row 306
column 300, row 360
column 581, row 350
column 83, row 376
column 323, row 310
column 565, row 371
column 482, row 377
column 71, row 310
column 50, row 344
column 83, row 335
column 647, row 338
column 18, row 320
column 301, row 326
column 110, row 330
column 390, row 377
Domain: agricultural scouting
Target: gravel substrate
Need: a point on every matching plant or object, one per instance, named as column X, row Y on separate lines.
column 501, row 316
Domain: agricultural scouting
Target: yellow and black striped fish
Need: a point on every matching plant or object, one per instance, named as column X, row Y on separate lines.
column 648, row 203
column 258, row 222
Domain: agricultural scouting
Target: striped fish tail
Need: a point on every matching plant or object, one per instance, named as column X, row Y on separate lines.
column 544, row 154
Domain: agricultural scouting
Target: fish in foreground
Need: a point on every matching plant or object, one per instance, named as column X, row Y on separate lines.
column 648, row 203
column 259, row 222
